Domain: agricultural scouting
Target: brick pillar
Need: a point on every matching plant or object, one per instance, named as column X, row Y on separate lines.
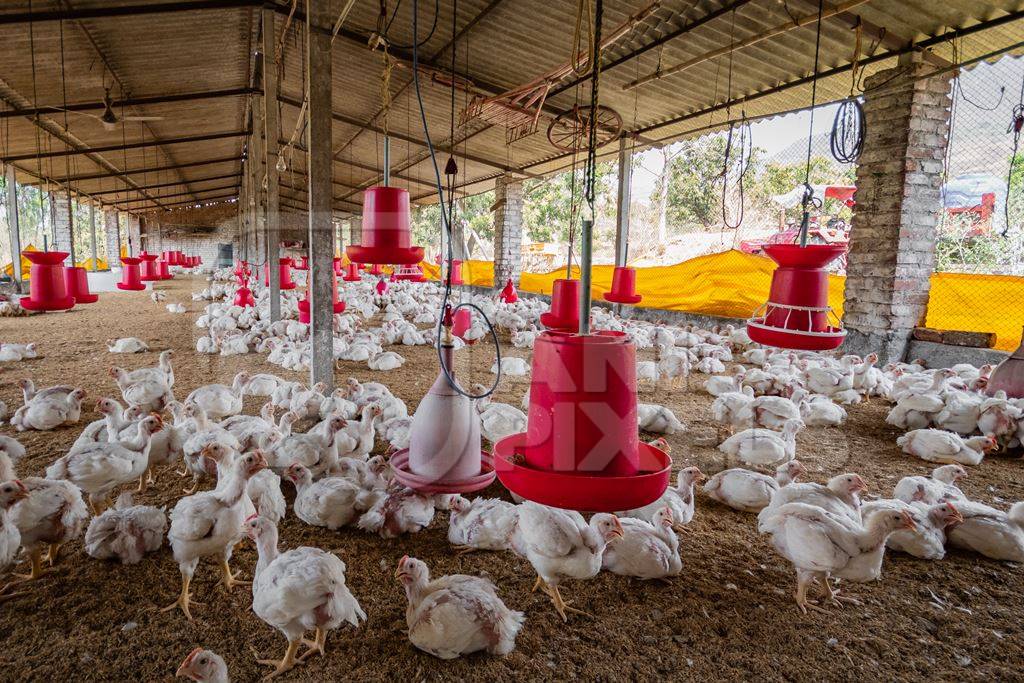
column 62, row 224
column 355, row 230
column 508, row 229
column 892, row 238
column 134, row 235
column 113, row 238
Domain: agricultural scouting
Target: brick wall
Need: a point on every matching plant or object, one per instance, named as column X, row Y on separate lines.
column 113, row 237
column 508, row 229
column 196, row 232
column 892, row 238
column 62, row 224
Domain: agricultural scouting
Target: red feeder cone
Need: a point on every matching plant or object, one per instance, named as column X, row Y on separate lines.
column 352, row 275
column 337, row 265
column 179, row 258
column 76, row 283
column 284, row 270
column 150, row 271
column 243, row 295
column 130, row 276
column 581, row 449
column 304, row 304
column 623, row 286
column 456, row 270
column 382, row 287
column 301, row 265
column 47, row 290
column 375, row 269
column 796, row 315
column 565, row 307
column 163, row 269
column 461, row 321
column 385, row 236
column 508, row 293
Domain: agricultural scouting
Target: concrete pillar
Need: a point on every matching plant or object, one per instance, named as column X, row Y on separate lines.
column 321, row 232
column 12, row 224
column 892, row 238
column 271, row 124
column 134, row 235
column 508, row 229
column 62, row 225
column 92, row 238
column 623, row 198
column 355, row 230
column 113, row 238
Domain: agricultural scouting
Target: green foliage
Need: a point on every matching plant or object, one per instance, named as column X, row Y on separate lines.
column 965, row 246
column 694, row 182
column 548, row 201
column 475, row 211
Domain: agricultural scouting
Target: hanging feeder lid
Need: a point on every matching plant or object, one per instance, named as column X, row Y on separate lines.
column 623, row 286
column 385, row 237
column 811, row 256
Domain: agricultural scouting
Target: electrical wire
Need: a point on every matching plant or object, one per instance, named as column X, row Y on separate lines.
column 808, row 197
column 416, row 44
column 739, row 146
column 447, row 311
column 1016, row 124
column 849, row 127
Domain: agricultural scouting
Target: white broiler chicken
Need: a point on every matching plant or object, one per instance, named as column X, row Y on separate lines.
column 329, row 502
column 203, row 666
column 220, row 400
column 821, row 545
column 209, row 524
column 53, row 514
column 647, row 550
column 561, row 545
column 761, row 446
column 100, row 467
column 127, row 345
column 49, row 411
column 679, row 500
column 396, row 511
column 126, row 532
column 315, row 450
column 512, row 367
column 749, row 491
column 483, row 524
column 204, row 433
column 498, row 420
column 772, row 412
column 993, row 533
column 928, row 540
column 732, row 409
column 821, row 411
column 12, row 492
column 840, row 496
column 656, row 419
column 940, row 486
column 457, row 614
column 936, row 445
column 298, row 591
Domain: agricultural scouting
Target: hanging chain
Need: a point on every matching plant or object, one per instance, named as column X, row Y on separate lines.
column 590, row 177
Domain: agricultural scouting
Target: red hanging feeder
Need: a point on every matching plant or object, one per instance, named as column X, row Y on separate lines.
column 242, row 268
column 412, row 273
column 304, row 304
column 456, row 271
column 581, row 450
column 385, row 236
column 150, row 271
column 352, row 273
column 131, row 279
column 163, row 269
column 623, row 286
column 301, row 265
column 284, row 273
column 337, row 265
column 508, row 293
column 382, row 287
column 462, row 320
column 797, row 314
column 565, row 306
column 76, row 283
column 47, row 290
column 376, row 269
column 243, row 295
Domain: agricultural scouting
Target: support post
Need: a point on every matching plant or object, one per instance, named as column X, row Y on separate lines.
column 63, row 225
column 508, row 229
column 623, row 201
column 321, row 267
column 258, row 245
column 113, row 238
column 12, row 223
column 270, row 126
column 92, row 237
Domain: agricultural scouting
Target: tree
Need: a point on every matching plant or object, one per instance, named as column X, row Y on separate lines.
column 547, row 202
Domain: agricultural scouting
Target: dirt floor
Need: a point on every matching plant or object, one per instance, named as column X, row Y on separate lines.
column 730, row 615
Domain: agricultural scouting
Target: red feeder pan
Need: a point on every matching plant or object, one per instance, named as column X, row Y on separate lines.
column 304, row 304
column 385, row 237
column 796, row 315
column 508, row 293
column 409, row 274
column 284, row 270
column 565, row 307
column 301, row 265
column 623, row 286
column 243, row 295
column 164, row 270
column 375, row 269
column 581, row 450
column 352, row 275
column 130, row 278
column 150, row 271
column 76, row 283
column 47, row 291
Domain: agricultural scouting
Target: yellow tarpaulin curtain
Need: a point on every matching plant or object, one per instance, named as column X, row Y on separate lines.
column 733, row 284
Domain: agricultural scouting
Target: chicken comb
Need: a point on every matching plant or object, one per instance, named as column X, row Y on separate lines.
column 252, row 516
column 17, row 482
column 191, row 655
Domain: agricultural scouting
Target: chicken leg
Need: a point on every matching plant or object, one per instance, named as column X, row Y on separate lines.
column 51, row 557
column 562, row 605
column 316, row 646
column 803, row 582
column 37, row 570
column 184, row 599
column 287, row 663
column 230, row 580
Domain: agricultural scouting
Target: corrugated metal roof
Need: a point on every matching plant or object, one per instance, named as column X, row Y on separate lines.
column 507, row 43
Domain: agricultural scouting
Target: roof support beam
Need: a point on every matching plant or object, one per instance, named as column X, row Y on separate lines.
column 271, row 122
column 151, row 169
column 130, row 145
column 199, row 200
column 129, row 102
column 170, row 184
column 101, row 12
column 175, row 195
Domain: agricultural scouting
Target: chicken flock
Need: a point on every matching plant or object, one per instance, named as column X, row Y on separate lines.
column 234, row 464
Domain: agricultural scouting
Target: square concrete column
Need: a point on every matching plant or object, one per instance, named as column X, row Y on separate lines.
column 355, row 230
column 113, row 240
column 134, row 235
column 508, row 229
column 62, row 229
column 892, row 238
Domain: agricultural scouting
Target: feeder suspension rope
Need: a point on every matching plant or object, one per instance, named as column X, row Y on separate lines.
column 849, row 127
column 808, row 197
column 738, row 148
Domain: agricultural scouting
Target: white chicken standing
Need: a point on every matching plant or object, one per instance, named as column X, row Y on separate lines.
column 456, row 614
column 561, row 545
column 209, row 524
column 12, row 492
column 483, row 524
column 821, row 544
column 647, row 550
column 53, row 514
column 749, row 491
column 126, row 532
column 297, row 591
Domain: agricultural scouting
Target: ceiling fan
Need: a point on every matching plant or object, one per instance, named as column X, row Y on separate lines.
column 109, row 118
